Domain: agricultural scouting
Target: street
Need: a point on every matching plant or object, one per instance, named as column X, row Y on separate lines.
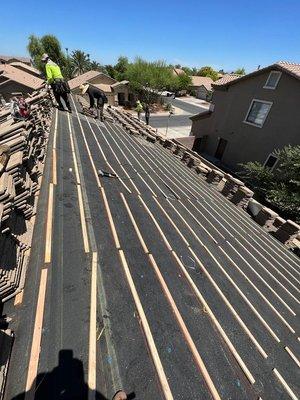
column 179, row 125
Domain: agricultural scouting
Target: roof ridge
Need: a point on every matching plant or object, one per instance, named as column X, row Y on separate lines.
column 287, row 62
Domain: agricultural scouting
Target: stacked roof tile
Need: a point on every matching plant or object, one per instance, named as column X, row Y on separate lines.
column 22, row 152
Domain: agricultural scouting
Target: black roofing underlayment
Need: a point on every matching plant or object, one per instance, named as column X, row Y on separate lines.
column 219, row 288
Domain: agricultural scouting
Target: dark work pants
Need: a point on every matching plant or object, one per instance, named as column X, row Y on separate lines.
column 147, row 118
column 100, row 112
column 65, row 98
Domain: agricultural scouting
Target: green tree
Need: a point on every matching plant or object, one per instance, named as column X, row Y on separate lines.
column 67, row 68
column 52, row 47
column 190, row 71
column 96, row 66
column 47, row 44
column 209, row 72
column 80, row 62
column 240, row 71
column 121, row 67
column 187, row 70
column 36, row 50
column 148, row 79
column 180, row 82
column 281, row 187
column 110, row 70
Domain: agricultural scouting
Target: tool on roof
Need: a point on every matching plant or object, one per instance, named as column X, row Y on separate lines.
column 105, row 174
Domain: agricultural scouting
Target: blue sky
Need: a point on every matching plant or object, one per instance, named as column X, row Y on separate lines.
column 222, row 34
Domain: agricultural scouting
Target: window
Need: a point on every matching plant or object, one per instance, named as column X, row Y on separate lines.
column 272, row 80
column 271, row 161
column 258, row 112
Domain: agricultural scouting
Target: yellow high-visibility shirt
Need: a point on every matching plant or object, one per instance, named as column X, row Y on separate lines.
column 53, row 72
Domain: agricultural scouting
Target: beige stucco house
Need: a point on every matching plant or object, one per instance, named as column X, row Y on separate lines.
column 117, row 93
column 250, row 116
column 201, row 87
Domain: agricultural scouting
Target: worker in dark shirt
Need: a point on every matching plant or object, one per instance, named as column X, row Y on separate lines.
column 147, row 113
column 95, row 94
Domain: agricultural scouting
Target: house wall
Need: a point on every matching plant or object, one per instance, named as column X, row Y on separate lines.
column 110, row 99
column 101, row 79
column 121, row 89
column 246, row 142
column 201, row 93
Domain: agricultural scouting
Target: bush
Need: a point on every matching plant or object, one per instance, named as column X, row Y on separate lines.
column 280, row 187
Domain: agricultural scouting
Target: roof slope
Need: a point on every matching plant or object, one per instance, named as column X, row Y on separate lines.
column 202, row 81
column 124, row 82
column 103, row 86
column 226, row 79
column 86, row 77
column 14, row 74
column 292, row 69
column 178, row 71
column 26, row 67
column 9, row 58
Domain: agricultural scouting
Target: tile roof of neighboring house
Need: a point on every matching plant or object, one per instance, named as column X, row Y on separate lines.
column 103, row 86
column 83, row 78
column 29, row 68
column 226, row 79
column 14, row 74
column 86, row 78
column 119, row 83
column 202, row 81
column 178, row 71
column 292, row 69
column 22, row 59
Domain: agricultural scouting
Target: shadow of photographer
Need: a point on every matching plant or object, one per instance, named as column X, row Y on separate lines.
column 65, row 382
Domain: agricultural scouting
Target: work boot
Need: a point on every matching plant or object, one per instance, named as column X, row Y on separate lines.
column 120, row 395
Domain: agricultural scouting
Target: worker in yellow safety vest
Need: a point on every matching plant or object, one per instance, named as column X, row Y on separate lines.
column 56, row 81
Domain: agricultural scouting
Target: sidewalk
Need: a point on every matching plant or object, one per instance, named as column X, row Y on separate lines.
column 175, row 132
column 194, row 101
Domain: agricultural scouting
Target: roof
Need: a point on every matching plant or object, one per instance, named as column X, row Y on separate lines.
column 290, row 68
column 226, row 79
column 104, row 87
column 202, row 81
column 83, row 78
column 201, row 115
column 14, row 74
column 119, row 83
column 178, row 71
column 29, row 68
column 9, row 58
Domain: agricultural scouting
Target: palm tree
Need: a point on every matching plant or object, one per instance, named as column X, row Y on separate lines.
column 95, row 66
column 80, row 62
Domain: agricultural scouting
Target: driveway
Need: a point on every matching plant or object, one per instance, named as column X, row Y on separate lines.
column 178, row 124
